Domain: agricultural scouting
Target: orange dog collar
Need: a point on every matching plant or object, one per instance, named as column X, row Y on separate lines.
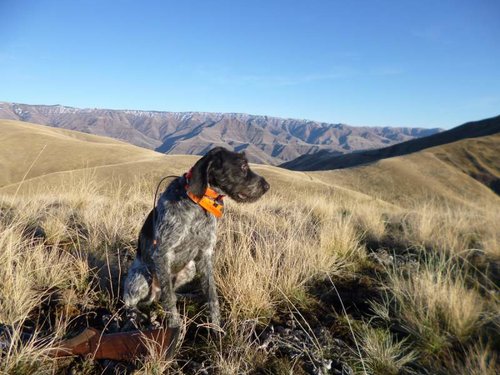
column 211, row 201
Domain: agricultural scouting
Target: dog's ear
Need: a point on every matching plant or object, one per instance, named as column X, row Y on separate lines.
column 199, row 176
column 199, row 173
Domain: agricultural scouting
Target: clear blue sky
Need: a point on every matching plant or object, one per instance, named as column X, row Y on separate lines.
column 416, row 63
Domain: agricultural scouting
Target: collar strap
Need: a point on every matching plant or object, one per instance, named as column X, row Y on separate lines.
column 211, row 201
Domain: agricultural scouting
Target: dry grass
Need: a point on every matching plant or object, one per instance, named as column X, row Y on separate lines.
column 453, row 229
column 31, row 271
column 434, row 304
column 263, row 255
column 479, row 359
column 382, row 353
column 269, row 255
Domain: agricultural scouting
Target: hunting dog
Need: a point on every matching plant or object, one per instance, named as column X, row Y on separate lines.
column 179, row 234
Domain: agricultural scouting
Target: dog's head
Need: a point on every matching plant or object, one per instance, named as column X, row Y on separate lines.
column 228, row 171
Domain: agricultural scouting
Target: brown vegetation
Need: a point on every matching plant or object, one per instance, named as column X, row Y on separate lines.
column 313, row 277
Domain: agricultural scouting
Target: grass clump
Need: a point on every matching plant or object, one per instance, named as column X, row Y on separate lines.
column 434, row 304
column 381, row 353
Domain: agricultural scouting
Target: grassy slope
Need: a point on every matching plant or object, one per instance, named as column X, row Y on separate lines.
column 55, row 150
column 271, row 256
column 74, row 155
column 326, row 161
column 448, row 172
column 478, row 158
column 437, row 172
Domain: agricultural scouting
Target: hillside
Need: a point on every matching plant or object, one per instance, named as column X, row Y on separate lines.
column 39, row 158
column 478, row 158
column 36, row 157
column 391, row 267
column 326, row 160
column 466, row 172
column 330, row 272
column 267, row 140
column 30, row 151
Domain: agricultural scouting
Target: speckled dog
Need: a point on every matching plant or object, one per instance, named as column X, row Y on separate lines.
column 179, row 235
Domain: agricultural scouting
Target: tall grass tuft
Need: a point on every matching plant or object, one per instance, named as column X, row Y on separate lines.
column 434, row 303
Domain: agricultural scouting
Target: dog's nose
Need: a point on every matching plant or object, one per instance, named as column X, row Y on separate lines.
column 265, row 186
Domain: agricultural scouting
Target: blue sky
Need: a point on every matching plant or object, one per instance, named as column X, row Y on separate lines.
column 394, row 63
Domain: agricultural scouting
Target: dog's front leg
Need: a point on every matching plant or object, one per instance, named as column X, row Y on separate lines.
column 208, row 283
column 162, row 263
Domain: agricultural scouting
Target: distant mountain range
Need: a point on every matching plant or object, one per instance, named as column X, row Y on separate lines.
column 265, row 139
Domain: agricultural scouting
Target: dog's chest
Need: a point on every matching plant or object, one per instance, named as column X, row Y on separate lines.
column 188, row 230
column 201, row 237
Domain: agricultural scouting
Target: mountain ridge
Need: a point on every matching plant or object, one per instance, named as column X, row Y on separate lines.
column 473, row 148
column 265, row 139
column 328, row 161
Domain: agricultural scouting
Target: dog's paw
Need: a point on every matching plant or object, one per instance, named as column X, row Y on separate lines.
column 111, row 323
column 130, row 325
column 133, row 320
column 173, row 319
column 216, row 325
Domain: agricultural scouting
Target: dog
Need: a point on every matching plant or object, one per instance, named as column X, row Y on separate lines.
column 179, row 234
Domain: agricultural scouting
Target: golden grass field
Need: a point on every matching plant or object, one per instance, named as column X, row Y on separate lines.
column 391, row 268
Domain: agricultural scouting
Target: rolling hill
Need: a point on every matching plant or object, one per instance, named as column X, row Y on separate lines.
column 31, row 151
column 37, row 157
column 326, row 160
column 461, row 158
column 441, row 173
column 265, row 139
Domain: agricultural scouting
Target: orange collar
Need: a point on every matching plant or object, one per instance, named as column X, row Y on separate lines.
column 211, row 200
